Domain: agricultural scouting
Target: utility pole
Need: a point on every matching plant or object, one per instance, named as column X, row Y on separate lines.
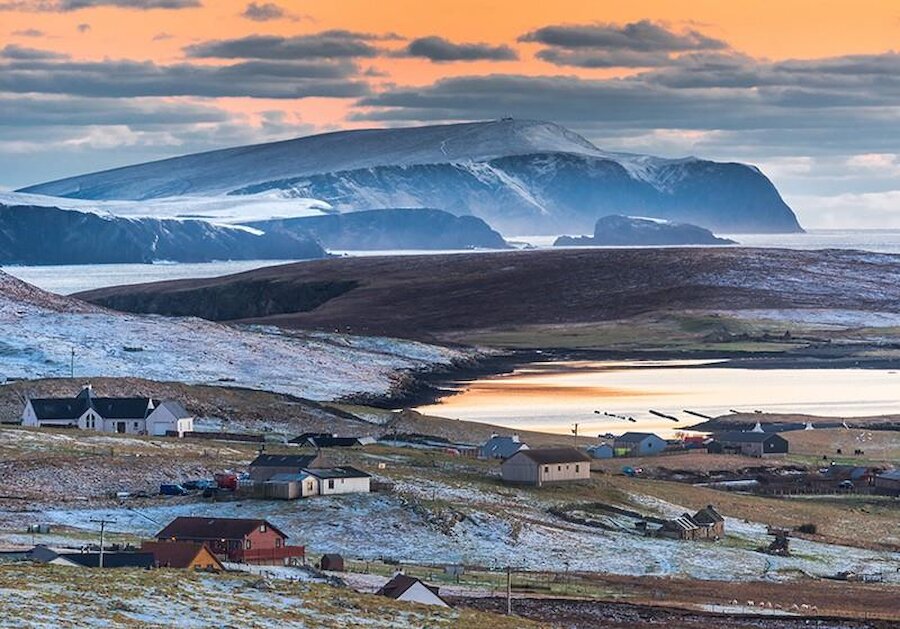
column 575, row 432
column 72, row 365
column 508, row 591
column 102, row 524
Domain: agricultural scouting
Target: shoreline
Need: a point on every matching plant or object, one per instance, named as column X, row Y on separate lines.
column 425, row 388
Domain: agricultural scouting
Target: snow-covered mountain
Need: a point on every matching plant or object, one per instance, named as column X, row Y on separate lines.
column 39, row 331
column 520, row 176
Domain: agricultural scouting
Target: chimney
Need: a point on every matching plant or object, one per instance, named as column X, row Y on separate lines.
column 515, row 438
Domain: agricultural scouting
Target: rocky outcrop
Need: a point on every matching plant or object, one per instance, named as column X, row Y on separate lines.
column 391, row 229
column 630, row 231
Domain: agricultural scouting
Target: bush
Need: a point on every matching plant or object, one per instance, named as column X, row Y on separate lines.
column 807, row 528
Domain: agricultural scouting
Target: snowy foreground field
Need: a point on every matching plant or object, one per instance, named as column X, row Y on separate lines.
column 39, row 333
column 170, row 598
column 448, row 515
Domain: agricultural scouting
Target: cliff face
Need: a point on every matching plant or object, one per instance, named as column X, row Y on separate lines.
column 391, row 229
column 42, row 235
column 629, row 231
column 522, row 177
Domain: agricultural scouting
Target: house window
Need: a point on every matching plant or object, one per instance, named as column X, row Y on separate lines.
column 577, row 468
column 546, row 469
column 559, row 468
column 278, row 541
column 248, row 544
column 135, row 425
column 330, row 483
column 262, row 528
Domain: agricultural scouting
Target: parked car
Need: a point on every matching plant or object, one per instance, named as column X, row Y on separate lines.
column 198, row 484
column 172, row 489
column 846, row 484
column 226, row 481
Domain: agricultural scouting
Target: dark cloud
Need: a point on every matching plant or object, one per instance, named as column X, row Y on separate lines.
column 332, row 44
column 27, row 112
column 28, row 32
column 125, row 79
column 264, row 12
column 84, row 28
column 440, row 50
column 22, row 53
column 634, row 45
column 63, row 6
column 643, row 36
column 820, row 105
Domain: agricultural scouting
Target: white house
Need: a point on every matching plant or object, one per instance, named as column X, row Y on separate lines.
column 412, row 590
column 340, row 480
column 133, row 416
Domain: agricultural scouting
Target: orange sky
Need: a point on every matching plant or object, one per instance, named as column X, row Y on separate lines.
column 789, row 28
column 785, row 29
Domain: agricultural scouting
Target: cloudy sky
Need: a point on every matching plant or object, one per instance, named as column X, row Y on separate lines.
column 809, row 90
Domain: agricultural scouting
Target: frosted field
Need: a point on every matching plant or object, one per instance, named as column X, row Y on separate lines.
column 490, row 529
column 40, row 331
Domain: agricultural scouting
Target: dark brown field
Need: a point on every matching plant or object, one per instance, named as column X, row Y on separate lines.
column 439, row 295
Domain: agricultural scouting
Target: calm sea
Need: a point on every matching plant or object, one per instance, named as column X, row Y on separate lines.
column 66, row 280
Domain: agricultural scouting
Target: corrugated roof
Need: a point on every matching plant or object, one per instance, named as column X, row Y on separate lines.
column 344, row 471
column 50, row 409
column 545, row 456
column 212, row 528
column 299, row 461
column 111, row 560
column 744, row 437
column 635, row 437
column 892, row 475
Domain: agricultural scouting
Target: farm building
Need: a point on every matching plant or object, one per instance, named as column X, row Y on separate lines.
column 638, row 444
column 888, row 483
column 291, row 486
column 707, row 523
column 500, row 447
column 235, row 539
column 332, row 562
column 412, row 590
column 86, row 411
column 756, row 444
column 182, row 555
column 265, row 466
column 341, row 480
column 601, row 451
column 540, row 466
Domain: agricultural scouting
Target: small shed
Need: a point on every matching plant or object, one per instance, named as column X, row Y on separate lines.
column 182, row 555
column 410, row 589
column 332, row 562
column 711, row 520
column 638, row 444
column 601, row 451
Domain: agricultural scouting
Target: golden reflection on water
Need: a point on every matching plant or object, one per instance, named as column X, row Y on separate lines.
column 552, row 396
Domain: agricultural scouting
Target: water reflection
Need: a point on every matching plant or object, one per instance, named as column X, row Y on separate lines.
column 552, row 396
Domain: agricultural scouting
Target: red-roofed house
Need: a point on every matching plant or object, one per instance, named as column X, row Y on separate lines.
column 235, row 539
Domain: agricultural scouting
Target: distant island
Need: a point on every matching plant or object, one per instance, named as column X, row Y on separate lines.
column 631, row 231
